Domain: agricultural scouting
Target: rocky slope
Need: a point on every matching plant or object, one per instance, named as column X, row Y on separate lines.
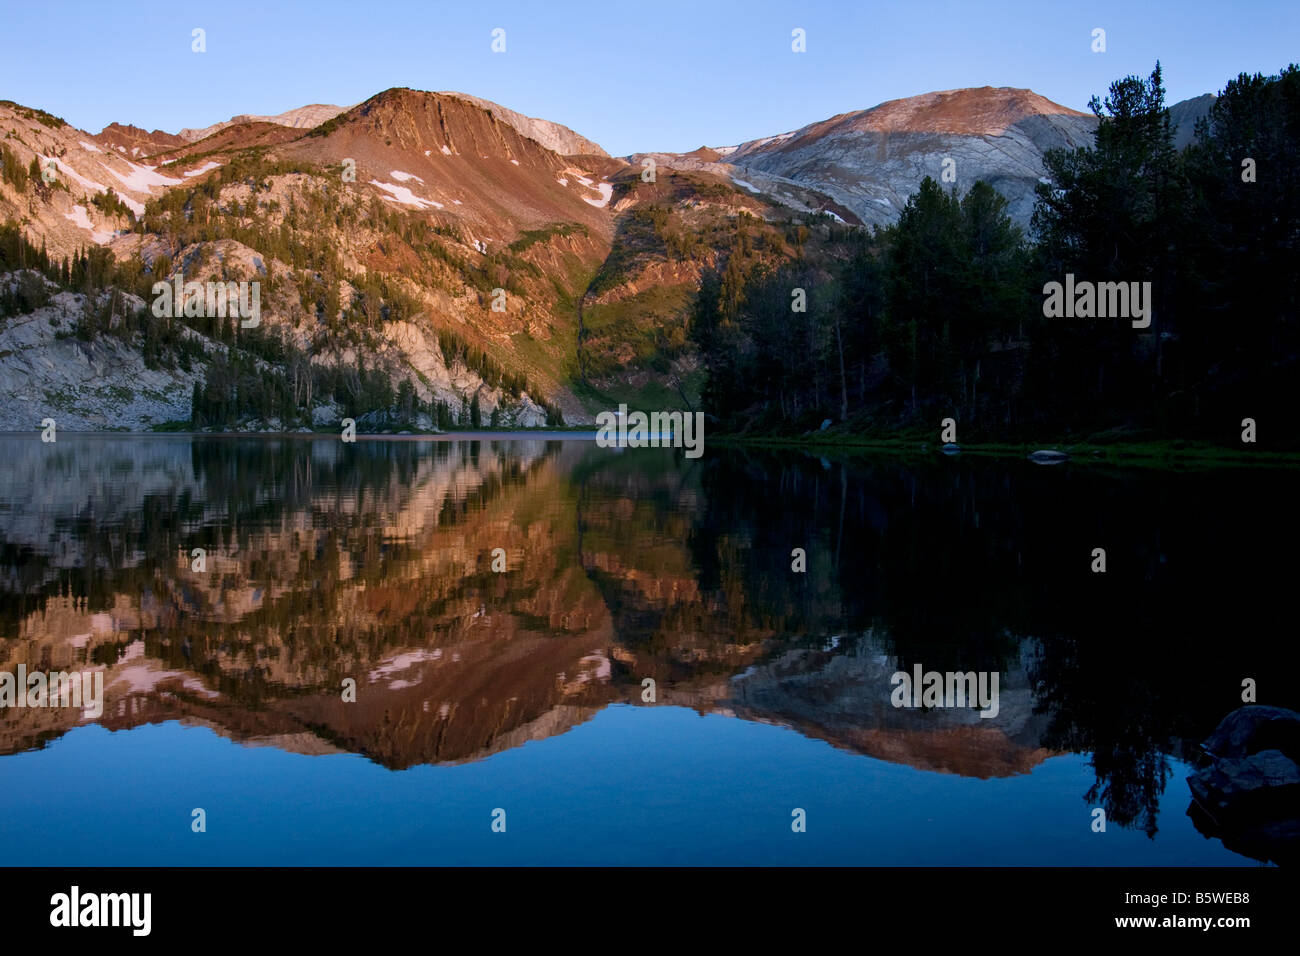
column 47, row 373
column 553, row 136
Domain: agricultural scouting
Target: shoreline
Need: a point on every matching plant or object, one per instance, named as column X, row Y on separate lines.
column 1157, row 453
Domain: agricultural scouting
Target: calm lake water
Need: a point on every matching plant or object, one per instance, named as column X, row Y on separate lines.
column 524, row 691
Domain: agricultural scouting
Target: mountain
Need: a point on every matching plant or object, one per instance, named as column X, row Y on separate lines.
column 444, row 243
column 1184, row 116
column 870, row 161
column 464, row 161
column 431, row 239
column 450, row 200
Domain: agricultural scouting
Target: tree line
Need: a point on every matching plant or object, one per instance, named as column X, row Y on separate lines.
column 941, row 314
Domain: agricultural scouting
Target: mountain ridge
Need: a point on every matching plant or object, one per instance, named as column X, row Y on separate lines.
column 470, row 234
column 302, row 117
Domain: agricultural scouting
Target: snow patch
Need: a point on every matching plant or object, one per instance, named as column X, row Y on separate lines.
column 79, row 218
column 91, row 186
column 750, row 186
column 563, row 182
column 400, row 663
column 142, row 679
column 402, row 177
column 606, row 192
column 89, row 147
column 202, row 169
column 142, row 178
column 134, row 205
column 515, row 161
column 404, row 196
column 445, row 150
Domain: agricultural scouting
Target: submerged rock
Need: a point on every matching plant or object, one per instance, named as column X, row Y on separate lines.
column 952, row 448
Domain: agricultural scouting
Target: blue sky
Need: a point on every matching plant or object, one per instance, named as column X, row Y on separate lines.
column 660, row 74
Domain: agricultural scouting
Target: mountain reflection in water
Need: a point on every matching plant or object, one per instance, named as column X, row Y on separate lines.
column 373, row 562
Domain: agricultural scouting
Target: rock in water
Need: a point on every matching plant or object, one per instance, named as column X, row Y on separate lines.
column 1046, row 456
column 951, row 448
column 1248, row 795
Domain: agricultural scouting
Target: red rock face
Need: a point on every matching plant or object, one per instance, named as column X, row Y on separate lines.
column 135, row 142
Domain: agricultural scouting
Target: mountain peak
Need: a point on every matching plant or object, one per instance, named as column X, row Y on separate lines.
column 304, row 117
column 552, row 136
column 869, row 161
column 975, row 111
column 136, row 142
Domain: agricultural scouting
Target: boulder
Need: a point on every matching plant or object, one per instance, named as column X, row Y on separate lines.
column 1249, row 792
column 372, row 420
column 1255, row 727
column 324, row 415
